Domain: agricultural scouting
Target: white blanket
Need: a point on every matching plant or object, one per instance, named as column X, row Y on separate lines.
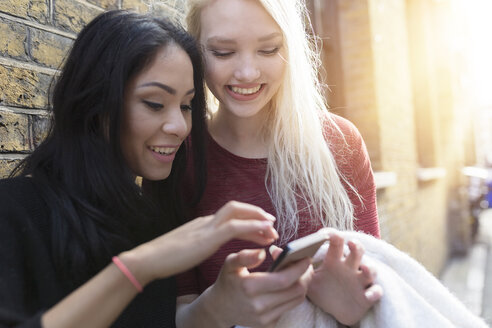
column 413, row 297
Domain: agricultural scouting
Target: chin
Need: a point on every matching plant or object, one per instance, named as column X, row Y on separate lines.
column 157, row 176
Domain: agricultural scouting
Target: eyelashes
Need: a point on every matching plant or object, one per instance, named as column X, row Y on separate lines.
column 186, row 107
column 153, row 105
column 158, row 106
column 225, row 54
column 270, row 51
column 221, row 54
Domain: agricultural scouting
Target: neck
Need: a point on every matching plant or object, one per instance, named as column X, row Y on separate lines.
column 240, row 136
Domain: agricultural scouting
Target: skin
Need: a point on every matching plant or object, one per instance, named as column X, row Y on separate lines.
column 245, row 61
column 347, row 281
column 157, row 114
column 144, row 128
column 235, row 59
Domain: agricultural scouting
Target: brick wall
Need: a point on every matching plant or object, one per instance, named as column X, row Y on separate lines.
column 400, row 84
column 35, row 35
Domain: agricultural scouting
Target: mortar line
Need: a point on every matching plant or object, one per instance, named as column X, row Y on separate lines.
column 21, row 110
column 18, row 64
column 38, row 26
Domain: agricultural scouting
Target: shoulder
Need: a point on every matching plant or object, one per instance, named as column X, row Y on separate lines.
column 344, row 140
column 18, row 189
column 339, row 129
column 15, row 189
column 22, row 203
column 349, row 151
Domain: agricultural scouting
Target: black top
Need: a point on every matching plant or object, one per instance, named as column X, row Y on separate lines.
column 28, row 282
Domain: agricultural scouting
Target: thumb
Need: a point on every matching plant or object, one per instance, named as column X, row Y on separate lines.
column 275, row 251
column 247, row 258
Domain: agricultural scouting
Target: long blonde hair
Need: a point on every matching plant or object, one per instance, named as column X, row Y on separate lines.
column 300, row 163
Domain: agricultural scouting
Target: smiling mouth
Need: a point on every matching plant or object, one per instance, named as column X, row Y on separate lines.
column 245, row 91
column 163, row 150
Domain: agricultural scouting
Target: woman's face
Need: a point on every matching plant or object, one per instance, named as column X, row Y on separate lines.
column 157, row 113
column 243, row 48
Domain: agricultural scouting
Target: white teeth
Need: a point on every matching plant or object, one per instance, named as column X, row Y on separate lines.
column 244, row 91
column 163, row 150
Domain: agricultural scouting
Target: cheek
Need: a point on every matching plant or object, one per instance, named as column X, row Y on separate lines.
column 212, row 75
column 276, row 69
column 215, row 70
column 134, row 127
column 137, row 129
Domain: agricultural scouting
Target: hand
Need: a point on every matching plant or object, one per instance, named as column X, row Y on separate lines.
column 193, row 242
column 343, row 286
column 259, row 298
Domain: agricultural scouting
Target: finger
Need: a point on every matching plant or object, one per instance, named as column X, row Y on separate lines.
column 335, row 250
column 243, row 211
column 368, row 275
column 263, row 282
column 275, row 251
column 374, row 293
column 260, row 232
column 247, row 258
column 307, row 276
column 355, row 255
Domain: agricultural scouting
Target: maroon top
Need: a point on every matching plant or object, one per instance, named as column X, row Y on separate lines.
column 231, row 177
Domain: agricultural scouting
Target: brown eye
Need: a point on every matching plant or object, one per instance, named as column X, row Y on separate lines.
column 186, row 108
column 153, row 105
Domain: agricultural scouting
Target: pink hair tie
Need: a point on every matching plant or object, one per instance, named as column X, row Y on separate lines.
column 127, row 273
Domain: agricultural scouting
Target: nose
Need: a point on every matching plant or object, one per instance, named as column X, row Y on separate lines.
column 176, row 123
column 247, row 69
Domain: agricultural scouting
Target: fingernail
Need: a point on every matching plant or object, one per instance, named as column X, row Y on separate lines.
column 262, row 255
column 270, row 217
column 371, row 295
column 271, row 249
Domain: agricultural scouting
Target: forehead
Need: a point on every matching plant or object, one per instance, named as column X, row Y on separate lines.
column 169, row 62
column 237, row 19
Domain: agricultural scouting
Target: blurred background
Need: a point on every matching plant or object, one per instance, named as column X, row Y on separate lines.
column 415, row 77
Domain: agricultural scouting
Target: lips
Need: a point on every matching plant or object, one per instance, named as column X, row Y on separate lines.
column 246, row 92
column 163, row 150
column 163, row 154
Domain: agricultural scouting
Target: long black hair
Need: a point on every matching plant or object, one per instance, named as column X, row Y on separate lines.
column 97, row 209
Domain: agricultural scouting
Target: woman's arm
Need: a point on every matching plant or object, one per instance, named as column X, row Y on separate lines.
column 97, row 303
column 100, row 301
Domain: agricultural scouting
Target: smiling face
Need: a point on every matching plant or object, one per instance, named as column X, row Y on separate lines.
column 157, row 113
column 243, row 55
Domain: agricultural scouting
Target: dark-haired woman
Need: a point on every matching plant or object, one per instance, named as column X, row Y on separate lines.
column 81, row 245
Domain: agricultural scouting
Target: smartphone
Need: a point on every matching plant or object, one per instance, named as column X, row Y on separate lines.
column 299, row 249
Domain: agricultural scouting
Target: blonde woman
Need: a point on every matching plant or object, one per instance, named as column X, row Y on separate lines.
column 273, row 143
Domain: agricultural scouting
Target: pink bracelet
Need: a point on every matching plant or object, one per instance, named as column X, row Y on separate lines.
column 127, row 273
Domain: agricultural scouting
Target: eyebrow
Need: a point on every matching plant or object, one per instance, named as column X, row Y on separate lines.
column 218, row 39
column 270, row 36
column 164, row 87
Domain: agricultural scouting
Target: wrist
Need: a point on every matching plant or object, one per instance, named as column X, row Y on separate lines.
column 214, row 309
column 135, row 262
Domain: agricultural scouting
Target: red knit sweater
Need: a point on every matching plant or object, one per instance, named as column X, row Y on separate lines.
column 231, row 177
